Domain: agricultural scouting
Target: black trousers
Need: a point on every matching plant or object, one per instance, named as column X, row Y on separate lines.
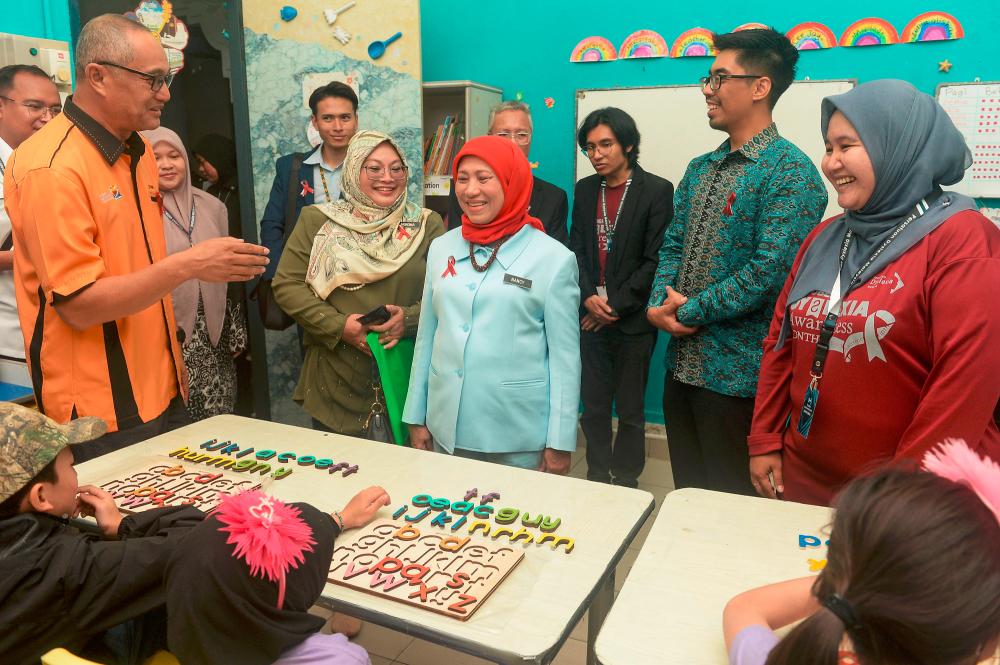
column 707, row 437
column 175, row 416
column 615, row 370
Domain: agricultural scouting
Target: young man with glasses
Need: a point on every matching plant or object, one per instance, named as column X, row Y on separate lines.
column 742, row 212
column 312, row 177
column 512, row 120
column 619, row 216
column 28, row 100
column 93, row 278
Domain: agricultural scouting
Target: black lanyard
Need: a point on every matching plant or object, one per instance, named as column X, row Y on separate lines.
column 830, row 322
column 189, row 231
column 609, row 228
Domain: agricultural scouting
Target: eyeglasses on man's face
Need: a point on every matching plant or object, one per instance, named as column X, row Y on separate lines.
column 520, row 138
column 36, row 107
column 603, row 147
column 156, row 81
column 714, row 81
column 376, row 171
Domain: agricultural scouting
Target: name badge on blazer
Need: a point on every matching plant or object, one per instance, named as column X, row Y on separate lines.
column 517, row 281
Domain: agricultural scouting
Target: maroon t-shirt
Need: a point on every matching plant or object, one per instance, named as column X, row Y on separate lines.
column 913, row 361
column 614, row 201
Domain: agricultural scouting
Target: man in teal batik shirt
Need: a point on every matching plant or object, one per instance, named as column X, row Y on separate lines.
column 741, row 212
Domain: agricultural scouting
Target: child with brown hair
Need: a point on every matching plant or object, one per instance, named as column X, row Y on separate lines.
column 912, row 575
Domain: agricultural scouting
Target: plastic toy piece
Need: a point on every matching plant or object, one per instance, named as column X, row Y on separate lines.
column 567, row 543
column 489, row 498
column 549, row 525
column 485, row 526
column 377, row 48
column 341, row 35
column 459, row 523
column 816, row 565
column 331, row 15
column 522, row 533
column 427, row 511
column 402, row 509
column 526, row 519
column 474, row 492
column 441, row 519
column 288, row 12
column 507, row 515
column 502, row 531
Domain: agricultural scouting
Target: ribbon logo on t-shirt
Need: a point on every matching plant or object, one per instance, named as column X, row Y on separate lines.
column 870, row 337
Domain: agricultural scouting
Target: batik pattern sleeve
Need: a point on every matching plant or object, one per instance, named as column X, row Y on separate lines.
column 672, row 249
column 795, row 202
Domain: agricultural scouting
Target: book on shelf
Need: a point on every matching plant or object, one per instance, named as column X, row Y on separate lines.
column 440, row 148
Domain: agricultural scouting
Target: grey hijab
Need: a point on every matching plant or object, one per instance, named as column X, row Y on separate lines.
column 914, row 149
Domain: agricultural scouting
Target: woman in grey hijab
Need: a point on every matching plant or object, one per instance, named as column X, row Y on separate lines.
column 211, row 328
column 886, row 337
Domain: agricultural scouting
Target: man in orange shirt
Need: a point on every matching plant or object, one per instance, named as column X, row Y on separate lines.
column 93, row 277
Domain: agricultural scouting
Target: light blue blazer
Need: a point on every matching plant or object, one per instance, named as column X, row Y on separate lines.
column 496, row 367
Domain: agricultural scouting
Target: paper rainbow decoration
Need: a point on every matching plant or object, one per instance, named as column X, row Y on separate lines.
column 750, row 26
column 809, row 36
column 593, row 49
column 644, row 44
column 932, row 26
column 693, row 43
column 869, row 32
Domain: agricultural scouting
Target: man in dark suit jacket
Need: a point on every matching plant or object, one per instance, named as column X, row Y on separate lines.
column 512, row 120
column 619, row 217
column 335, row 116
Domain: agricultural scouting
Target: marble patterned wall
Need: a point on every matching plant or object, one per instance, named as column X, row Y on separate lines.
column 287, row 60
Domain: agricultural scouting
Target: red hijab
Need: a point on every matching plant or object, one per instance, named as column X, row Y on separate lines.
column 514, row 173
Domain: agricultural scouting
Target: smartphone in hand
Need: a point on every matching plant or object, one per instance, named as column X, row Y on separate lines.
column 376, row 317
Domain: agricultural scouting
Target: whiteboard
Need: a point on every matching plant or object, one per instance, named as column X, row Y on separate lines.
column 673, row 125
column 975, row 110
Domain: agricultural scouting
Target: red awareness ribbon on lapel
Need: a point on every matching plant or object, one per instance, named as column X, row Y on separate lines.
column 306, row 189
column 450, row 270
column 401, row 233
column 730, row 200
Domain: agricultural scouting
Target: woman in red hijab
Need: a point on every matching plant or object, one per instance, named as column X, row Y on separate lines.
column 496, row 368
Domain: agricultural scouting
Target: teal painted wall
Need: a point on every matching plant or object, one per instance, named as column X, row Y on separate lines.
column 47, row 19
column 524, row 46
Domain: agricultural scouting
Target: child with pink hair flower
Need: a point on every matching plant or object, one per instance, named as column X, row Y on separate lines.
column 912, row 575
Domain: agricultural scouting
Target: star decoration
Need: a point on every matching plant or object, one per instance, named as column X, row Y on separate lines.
column 944, row 66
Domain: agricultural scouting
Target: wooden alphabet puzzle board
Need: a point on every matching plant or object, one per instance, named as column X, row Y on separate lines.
column 975, row 110
column 158, row 481
column 433, row 570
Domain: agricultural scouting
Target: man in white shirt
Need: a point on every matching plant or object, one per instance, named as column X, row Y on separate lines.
column 302, row 179
column 28, row 100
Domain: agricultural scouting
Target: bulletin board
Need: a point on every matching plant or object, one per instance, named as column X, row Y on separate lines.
column 975, row 110
column 673, row 125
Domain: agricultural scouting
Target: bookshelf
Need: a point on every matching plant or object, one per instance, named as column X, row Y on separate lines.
column 466, row 104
